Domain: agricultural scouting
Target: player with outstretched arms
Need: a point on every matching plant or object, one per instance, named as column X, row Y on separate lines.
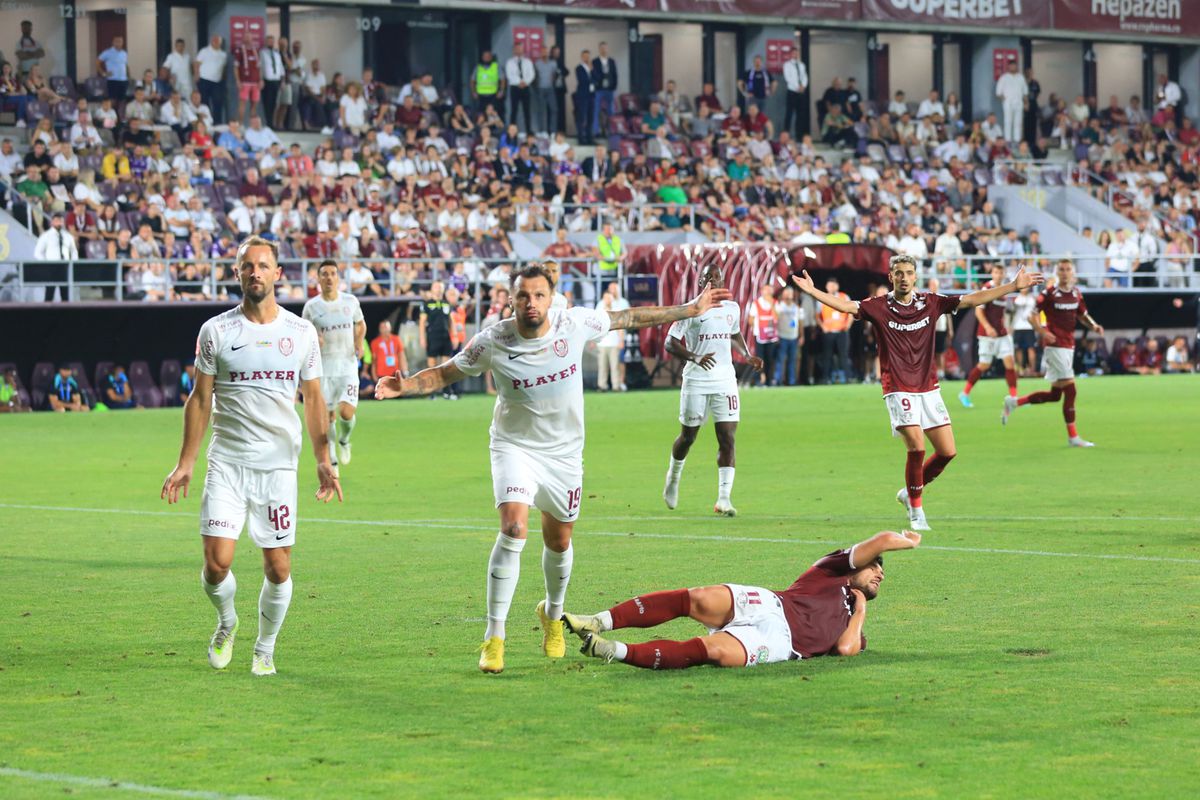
column 709, row 388
column 251, row 360
column 1063, row 306
column 994, row 341
column 904, row 326
column 821, row 614
column 537, row 433
column 341, row 329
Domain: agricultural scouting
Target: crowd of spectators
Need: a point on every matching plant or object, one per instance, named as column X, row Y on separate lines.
column 409, row 184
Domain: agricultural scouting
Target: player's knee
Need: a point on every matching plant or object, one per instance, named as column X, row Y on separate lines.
column 514, row 529
column 216, row 566
column 347, row 412
column 277, row 566
column 722, row 653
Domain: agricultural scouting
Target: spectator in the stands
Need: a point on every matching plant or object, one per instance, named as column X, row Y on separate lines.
column 604, row 85
column 10, row 394
column 756, row 84
column 838, row 129
column 1122, row 254
column 259, row 136
column 179, row 64
column 113, row 65
column 209, row 69
column 118, row 393
column 65, row 394
column 29, row 51
column 1178, row 359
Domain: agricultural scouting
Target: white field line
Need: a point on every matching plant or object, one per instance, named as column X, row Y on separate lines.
column 124, row 786
column 472, row 525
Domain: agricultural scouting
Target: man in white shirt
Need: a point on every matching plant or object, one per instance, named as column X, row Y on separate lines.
column 312, row 110
column 991, row 129
column 83, row 135
column 537, row 434
column 341, row 329
column 247, row 218
column 271, row 64
column 611, row 372
column 795, row 77
column 932, row 107
column 11, row 163
column 179, row 63
column 200, row 109
column 259, row 136
column 55, row 244
column 1012, row 91
column 387, row 138
column 520, row 73
column 179, row 221
column 202, row 218
column 913, row 244
column 1122, row 254
column 209, row 68
column 251, row 361
column 1168, row 94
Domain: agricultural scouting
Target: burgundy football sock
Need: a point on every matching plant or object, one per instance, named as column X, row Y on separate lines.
column 914, row 476
column 652, row 609
column 1069, row 409
column 1010, row 377
column 1041, row 397
column 934, row 466
column 663, row 654
column 976, row 374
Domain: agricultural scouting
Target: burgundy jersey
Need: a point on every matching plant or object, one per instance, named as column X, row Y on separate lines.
column 905, row 336
column 818, row 606
column 1061, row 310
column 994, row 313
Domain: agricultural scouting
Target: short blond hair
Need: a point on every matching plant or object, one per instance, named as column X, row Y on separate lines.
column 257, row 241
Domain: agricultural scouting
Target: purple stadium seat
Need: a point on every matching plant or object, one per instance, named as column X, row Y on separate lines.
column 629, row 148
column 63, row 111
column 343, row 138
column 983, row 176
column 629, row 103
column 700, row 149
column 35, row 110
column 63, row 85
column 40, row 383
column 144, row 389
column 92, row 161
column 225, row 170
column 95, row 88
column 229, row 194
column 877, row 153
column 101, row 373
column 896, row 154
column 618, row 126
column 168, row 382
column 95, row 249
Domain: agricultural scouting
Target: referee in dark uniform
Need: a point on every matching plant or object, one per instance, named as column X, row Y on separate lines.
column 756, row 84
column 435, row 331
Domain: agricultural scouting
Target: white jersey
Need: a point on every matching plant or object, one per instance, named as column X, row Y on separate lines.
column 711, row 332
column 558, row 302
column 258, row 369
column 334, row 321
column 539, row 382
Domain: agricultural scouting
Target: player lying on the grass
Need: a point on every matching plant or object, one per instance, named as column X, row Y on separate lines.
column 709, row 387
column 1063, row 305
column 251, row 359
column 821, row 614
column 537, row 433
column 904, row 327
column 994, row 340
column 338, row 318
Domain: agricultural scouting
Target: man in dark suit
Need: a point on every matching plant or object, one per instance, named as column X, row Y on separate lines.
column 583, row 98
column 599, row 168
column 604, row 84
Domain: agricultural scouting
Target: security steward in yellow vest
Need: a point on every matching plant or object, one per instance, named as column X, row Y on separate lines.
column 487, row 83
column 611, row 251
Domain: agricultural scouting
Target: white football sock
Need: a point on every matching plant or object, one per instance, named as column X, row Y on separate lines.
column 724, row 483
column 621, row 651
column 273, row 602
column 504, row 569
column 332, row 450
column 344, row 428
column 605, row 618
column 676, row 468
column 222, row 594
column 556, row 567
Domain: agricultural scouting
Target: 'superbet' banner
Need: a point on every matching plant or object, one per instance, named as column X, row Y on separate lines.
column 992, row 13
column 1147, row 17
column 809, row 9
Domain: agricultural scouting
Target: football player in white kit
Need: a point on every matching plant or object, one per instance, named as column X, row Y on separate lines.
column 252, row 359
column 709, row 388
column 559, row 301
column 536, row 358
column 338, row 318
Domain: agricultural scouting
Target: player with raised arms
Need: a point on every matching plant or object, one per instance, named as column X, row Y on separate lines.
column 709, row 388
column 821, row 614
column 1063, row 306
column 338, row 318
column 994, row 340
column 252, row 359
column 904, row 326
column 537, row 434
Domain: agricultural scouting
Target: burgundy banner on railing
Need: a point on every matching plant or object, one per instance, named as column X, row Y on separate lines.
column 990, row 13
column 1135, row 17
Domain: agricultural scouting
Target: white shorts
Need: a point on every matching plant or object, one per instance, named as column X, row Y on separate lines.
column 908, row 408
column 695, row 408
column 235, row 495
column 339, row 389
column 994, row 347
column 759, row 624
column 554, row 485
column 1059, row 363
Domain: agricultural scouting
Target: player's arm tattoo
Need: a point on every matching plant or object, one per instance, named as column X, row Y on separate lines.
column 428, row 381
column 649, row 316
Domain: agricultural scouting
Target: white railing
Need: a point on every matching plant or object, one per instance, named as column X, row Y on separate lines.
column 1169, row 273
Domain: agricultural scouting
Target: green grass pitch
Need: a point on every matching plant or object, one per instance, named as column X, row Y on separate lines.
column 1042, row 643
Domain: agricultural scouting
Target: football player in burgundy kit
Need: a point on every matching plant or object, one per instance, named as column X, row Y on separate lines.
column 994, row 340
column 537, row 432
column 1063, row 306
column 820, row 614
column 904, row 327
column 250, row 362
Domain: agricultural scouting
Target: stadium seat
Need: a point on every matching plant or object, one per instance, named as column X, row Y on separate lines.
column 896, row 154
column 618, row 126
column 101, row 373
column 700, row 149
column 168, row 381
column 92, row 161
column 629, row 104
column 629, row 148
column 877, row 153
column 63, row 85
column 225, row 170
column 63, row 110
column 95, row 88
column 40, row 383
column 95, row 249
column 35, row 110
column 343, row 138
column 145, row 392
column 983, row 176
column 229, row 194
